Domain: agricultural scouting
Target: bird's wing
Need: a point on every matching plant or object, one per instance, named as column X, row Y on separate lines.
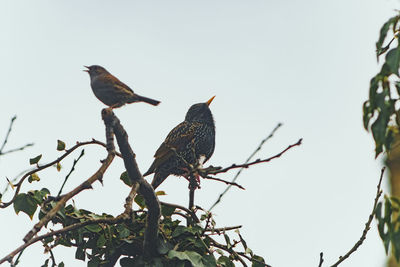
column 177, row 139
column 114, row 81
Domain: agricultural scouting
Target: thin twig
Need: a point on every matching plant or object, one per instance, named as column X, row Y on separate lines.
column 8, row 133
column 223, row 229
column 321, row 259
column 367, row 225
column 72, row 169
column 190, row 212
column 248, row 159
column 16, row 149
column 214, row 170
column 226, row 182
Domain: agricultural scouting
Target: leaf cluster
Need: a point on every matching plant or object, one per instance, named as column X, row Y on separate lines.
column 380, row 112
column 387, row 215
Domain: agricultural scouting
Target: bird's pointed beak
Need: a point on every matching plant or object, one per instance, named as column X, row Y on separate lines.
column 210, row 100
column 87, row 68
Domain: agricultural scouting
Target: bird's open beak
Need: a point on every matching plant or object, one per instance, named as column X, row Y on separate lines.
column 210, row 100
column 87, row 68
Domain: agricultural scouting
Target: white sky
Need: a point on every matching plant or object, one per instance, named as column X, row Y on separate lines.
column 306, row 64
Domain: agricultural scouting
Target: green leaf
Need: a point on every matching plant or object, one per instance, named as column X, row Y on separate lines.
column 35, row 159
column 393, row 60
column 167, row 211
column 60, row 145
column 257, row 261
column 228, row 241
column 179, row 230
column 46, row 263
column 33, row 177
column 58, row 166
column 40, row 195
column 382, row 35
column 80, row 252
column 209, row 261
column 25, row 203
column 94, row 262
column 101, row 241
column 140, row 201
column 191, row 256
column 225, row 261
column 95, row 228
column 161, row 193
column 127, row 262
column 125, row 178
column 124, row 233
column 61, row 264
column 163, row 246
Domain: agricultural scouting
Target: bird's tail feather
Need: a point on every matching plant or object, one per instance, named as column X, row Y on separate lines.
column 145, row 99
column 158, row 179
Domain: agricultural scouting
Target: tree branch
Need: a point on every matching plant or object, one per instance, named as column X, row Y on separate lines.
column 145, row 189
column 367, row 225
column 321, row 259
column 215, row 170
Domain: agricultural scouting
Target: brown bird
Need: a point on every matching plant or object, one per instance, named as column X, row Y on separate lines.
column 193, row 140
column 111, row 91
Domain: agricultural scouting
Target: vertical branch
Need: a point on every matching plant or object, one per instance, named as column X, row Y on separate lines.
column 192, row 188
column 8, row 134
column 145, row 189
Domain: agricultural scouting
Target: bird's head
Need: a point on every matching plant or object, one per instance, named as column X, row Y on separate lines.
column 200, row 113
column 95, row 70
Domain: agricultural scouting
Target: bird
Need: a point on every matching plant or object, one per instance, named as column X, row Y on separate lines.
column 191, row 141
column 111, row 91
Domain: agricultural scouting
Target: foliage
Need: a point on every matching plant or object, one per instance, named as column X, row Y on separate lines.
column 381, row 111
column 387, row 214
column 103, row 239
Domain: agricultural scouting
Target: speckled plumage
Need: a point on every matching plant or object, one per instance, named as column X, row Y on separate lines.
column 196, row 131
column 111, row 91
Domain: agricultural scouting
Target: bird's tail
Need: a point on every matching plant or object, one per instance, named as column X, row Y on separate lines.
column 158, row 179
column 145, row 99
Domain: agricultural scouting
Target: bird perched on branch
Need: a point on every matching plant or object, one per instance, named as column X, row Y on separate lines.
column 191, row 141
column 111, row 91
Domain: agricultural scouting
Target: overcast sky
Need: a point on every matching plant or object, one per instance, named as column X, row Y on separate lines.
column 306, row 64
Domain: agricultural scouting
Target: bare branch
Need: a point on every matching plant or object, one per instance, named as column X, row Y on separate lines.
column 215, row 170
column 16, row 149
column 72, row 169
column 367, row 225
column 190, row 212
column 226, row 182
column 321, row 259
column 8, row 134
column 223, row 229
column 145, row 189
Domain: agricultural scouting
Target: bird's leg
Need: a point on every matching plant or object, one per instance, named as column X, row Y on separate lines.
column 187, row 173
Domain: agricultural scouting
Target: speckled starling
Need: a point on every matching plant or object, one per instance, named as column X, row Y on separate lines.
column 194, row 137
column 111, row 91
